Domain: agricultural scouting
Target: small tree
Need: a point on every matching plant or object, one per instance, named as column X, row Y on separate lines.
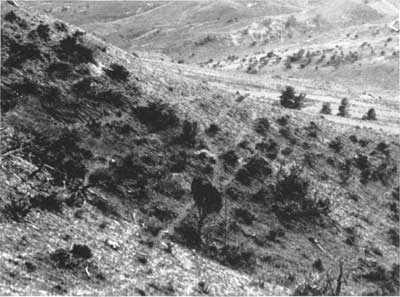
column 370, row 115
column 344, row 108
column 207, row 200
column 326, row 108
column 189, row 133
column 290, row 100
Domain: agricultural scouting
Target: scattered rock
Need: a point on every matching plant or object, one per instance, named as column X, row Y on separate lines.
column 112, row 244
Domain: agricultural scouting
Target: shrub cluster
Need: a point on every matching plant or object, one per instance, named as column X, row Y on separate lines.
column 157, row 116
column 117, row 72
column 292, row 197
column 289, row 99
column 72, row 49
column 261, row 126
column 189, row 133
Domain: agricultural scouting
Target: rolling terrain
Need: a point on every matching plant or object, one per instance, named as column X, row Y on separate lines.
column 336, row 48
column 103, row 135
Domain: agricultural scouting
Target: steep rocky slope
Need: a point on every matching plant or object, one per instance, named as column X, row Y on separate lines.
column 99, row 150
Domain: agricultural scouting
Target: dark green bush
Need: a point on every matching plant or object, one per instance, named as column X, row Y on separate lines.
column 60, row 70
column 21, row 52
column 212, row 130
column 117, row 72
column 292, row 197
column 230, row 158
column 157, row 116
column 72, row 49
column 256, row 168
column 261, row 126
column 326, row 108
column 17, row 208
column 288, row 98
column 344, row 108
column 189, row 133
column 270, row 148
column 394, row 237
column 370, row 115
column 239, row 256
column 206, row 197
column 59, row 148
column 101, row 177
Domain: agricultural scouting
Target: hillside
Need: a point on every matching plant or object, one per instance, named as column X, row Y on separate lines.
column 101, row 151
column 333, row 38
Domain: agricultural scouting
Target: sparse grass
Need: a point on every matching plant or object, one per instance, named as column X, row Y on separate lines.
column 321, row 285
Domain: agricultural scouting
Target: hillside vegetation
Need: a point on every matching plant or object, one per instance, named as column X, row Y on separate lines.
column 121, row 175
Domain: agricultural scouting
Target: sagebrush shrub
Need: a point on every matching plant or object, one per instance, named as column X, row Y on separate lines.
column 117, row 72
column 21, row 52
column 189, row 133
column 206, row 197
column 71, row 49
column 326, row 108
column 370, row 115
column 100, row 176
column 230, row 158
column 212, row 130
column 157, row 116
column 292, row 196
column 261, row 126
column 344, row 108
column 17, row 208
column 289, row 99
column 43, row 32
column 60, row 69
column 239, row 256
column 256, row 167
